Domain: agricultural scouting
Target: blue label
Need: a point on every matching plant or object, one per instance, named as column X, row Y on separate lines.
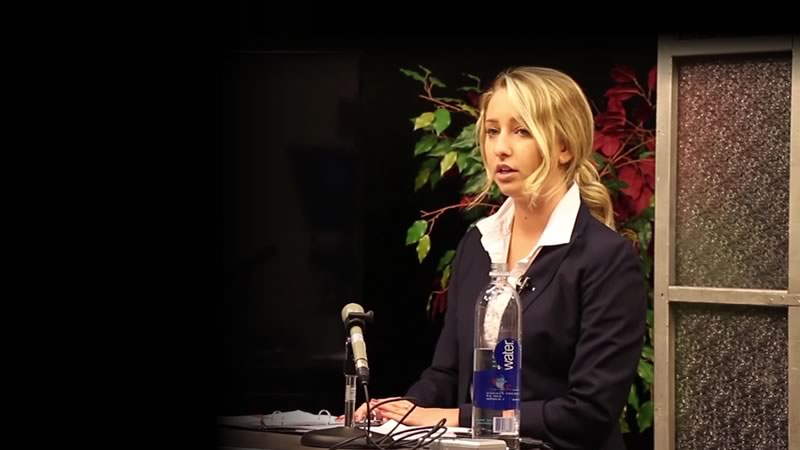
column 498, row 387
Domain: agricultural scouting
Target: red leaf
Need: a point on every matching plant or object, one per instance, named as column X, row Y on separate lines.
column 648, row 168
column 623, row 208
column 651, row 145
column 651, row 78
column 633, row 179
column 615, row 105
column 623, row 74
column 616, row 130
column 622, row 92
column 642, row 112
column 474, row 99
column 610, row 146
column 609, row 119
column 438, row 303
column 442, row 300
column 643, row 202
column 599, row 140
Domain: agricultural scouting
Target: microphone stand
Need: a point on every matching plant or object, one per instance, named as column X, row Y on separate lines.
column 350, row 390
column 331, row 436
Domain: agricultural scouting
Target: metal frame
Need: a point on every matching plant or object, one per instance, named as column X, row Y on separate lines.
column 732, row 296
column 665, row 293
column 794, row 251
column 664, row 251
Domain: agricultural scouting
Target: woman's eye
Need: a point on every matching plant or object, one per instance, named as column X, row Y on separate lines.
column 523, row 132
column 492, row 131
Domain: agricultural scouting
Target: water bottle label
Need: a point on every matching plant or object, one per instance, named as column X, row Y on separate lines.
column 498, row 388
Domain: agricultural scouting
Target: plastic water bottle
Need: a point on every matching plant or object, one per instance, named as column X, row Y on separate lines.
column 497, row 360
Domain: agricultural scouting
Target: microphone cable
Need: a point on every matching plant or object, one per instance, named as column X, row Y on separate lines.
column 401, row 439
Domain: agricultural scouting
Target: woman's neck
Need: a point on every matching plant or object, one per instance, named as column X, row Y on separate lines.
column 532, row 219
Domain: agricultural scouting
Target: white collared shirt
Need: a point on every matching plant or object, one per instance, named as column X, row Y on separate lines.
column 496, row 238
column 496, row 230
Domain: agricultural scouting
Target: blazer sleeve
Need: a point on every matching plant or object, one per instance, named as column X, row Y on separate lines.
column 612, row 326
column 438, row 384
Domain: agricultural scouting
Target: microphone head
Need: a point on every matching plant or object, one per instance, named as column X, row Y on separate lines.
column 351, row 308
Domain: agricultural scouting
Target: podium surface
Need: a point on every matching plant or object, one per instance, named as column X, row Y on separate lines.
column 236, row 438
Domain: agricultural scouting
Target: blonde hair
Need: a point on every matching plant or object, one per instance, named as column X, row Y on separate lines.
column 556, row 112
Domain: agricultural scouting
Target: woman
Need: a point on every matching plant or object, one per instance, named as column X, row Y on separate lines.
column 584, row 299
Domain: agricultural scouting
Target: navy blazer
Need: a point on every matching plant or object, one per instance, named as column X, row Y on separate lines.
column 583, row 324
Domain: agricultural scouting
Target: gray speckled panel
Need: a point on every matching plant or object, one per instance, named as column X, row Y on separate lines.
column 732, row 206
column 731, row 377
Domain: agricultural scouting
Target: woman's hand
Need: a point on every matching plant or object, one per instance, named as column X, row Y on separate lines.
column 420, row 416
column 360, row 415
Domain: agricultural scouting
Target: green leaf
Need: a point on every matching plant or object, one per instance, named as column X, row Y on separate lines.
column 469, row 89
column 424, row 120
column 436, row 82
column 445, row 259
column 615, row 185
column 644, row 418
column 475, row 154
column 494, row 192
column 445, row 277
column 472, row 169
column 623, row 423
column 448, row 161
column 442, row 147
column 475, row 184
column 647, row 263
column 647, row 352
column 435, row 177
column 650, row 318
column 633, row 398
column 644, row 155
column 645, row 371
column 425, row 144
column 412, row 74
column 442, row 121
column 415, row 231
column 427, row 71
column 430, row 163
column 478, row 80
column 423, row 247
column 462, row 162
column 645, row 234
column 466, row 139
column 649, row 213
column 422, row 178
column 469, row 110
column 600, row 160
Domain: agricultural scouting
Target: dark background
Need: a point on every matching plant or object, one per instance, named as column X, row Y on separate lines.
column 316, row 175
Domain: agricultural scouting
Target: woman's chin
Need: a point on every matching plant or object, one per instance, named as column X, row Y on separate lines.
column 510, row 190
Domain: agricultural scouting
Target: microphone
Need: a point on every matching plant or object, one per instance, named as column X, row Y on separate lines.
column 353, row 317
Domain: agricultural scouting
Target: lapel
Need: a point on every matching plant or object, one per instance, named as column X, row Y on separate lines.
column 548, row 261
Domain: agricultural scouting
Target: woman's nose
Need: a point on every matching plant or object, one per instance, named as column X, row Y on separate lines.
column 501, row 147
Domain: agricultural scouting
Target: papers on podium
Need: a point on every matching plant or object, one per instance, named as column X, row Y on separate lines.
column 293, row 420
column 301, row 421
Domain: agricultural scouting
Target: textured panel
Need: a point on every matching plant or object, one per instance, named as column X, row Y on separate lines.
column 732, row 209
column 731, row 377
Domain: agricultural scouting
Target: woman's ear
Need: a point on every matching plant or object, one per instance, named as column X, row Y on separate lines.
column 564, row 154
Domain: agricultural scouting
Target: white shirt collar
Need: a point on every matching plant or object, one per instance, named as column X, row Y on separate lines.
column 496, row 229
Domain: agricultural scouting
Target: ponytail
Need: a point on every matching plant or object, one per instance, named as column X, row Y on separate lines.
column 594, row 193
